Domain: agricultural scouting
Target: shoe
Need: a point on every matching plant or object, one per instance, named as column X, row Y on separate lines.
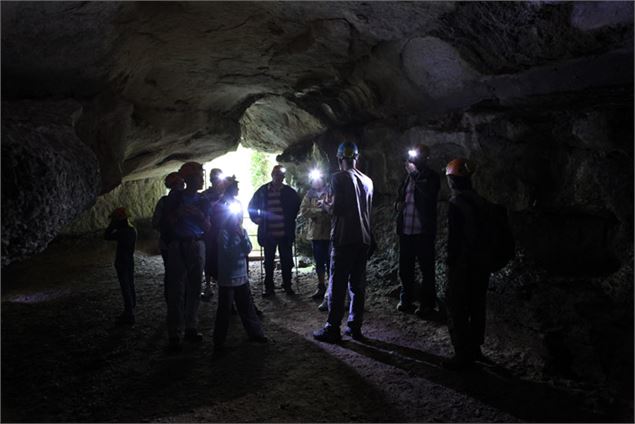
column 406, row 308
column 354, row 333
column 125, row 319
column 324, row 306
column 289, row 291
column 259, row 339
column 426, row 313
column 234, row 311
column 258, row 311
column 192, row 336
column 327, row 335
column 478, row 356
column 457, row 363
column 174, row 345
column 268, row 293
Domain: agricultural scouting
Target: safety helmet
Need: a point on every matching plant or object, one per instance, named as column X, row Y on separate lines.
column 190, row 168
column 119, row 214
column 173, row 179
column 215, row 173
column 279, row 168
column 348, row 149
column 459, row 168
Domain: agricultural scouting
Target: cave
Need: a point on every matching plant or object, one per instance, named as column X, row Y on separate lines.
column 100, row 100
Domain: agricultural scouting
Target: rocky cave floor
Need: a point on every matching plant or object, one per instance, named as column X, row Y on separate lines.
column 64, row 360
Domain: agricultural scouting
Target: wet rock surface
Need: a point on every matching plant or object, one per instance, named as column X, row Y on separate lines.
column 64, row 360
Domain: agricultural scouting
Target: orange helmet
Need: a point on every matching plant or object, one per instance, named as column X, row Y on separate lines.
column 190, row 168
column 173, row 179
column 119, row 214
column 459, row 168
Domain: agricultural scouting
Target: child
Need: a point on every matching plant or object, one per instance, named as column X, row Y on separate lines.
column 126, row 236
column 233, row 283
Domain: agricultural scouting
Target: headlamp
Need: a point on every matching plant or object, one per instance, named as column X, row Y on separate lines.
column 412, row 153
column 221, row 176
column 283, row 170
column 315, row 174
column 235, row 208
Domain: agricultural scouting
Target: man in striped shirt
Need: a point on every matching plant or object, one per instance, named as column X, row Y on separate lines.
column 274, row 208
column 417, row 227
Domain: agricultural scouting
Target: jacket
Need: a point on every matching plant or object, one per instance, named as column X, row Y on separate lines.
column 318, row 219
column 427, row 184
column 233, row 248
column 126, row 237
column 257, row 209
column 351, row 210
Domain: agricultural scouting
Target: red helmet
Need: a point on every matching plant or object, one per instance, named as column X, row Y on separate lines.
column 173, row 179
column 119, row 214
column 459, row 168
column 189, row 169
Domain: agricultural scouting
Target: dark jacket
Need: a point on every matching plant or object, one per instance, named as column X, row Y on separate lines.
column 352, row 204
column 126, row 237
column 258, row 210
column 427, row 184
column 464, row 222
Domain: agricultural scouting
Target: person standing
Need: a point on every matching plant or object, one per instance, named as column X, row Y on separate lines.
column 233, row 281
column 352, row 239
column 314, row 208
column 213, row 195
column 274, row 208
column 187, row 215
column 468, row 276
column 173, row 182
column 126, row 237
column 416, row 207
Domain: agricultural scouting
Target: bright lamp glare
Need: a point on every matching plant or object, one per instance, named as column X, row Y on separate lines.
column 283, row 170
column 315, row 174
column 235, row 208
column 221, row 176
column 412, row 153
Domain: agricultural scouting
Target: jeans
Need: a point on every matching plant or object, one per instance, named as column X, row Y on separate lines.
column 184, row 273
column 322, row 255
column 285, row 248
column 245, row 306
column 417, row 248
column 125, row 274
column 348, row 270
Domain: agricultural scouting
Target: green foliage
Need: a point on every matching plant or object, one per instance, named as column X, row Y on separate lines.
column 259, row 168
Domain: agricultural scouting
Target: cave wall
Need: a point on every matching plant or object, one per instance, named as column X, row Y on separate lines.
column 139, row 197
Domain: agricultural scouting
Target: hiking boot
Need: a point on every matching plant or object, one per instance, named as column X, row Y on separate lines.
column 319, row 292
column 354, row 332
column 193, row 336
column 289, row 291
column 324, row 306
column 478, row 356
column 258, row 311
column 174, row 345
column 457, row 363
column 125, row 319
column 268, row 293
column 426, row 313
column 406, row 308
column 327, row 335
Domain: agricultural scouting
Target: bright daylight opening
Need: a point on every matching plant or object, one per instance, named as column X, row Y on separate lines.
column 252, row 169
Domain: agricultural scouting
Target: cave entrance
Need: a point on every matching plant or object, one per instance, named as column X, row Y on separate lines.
column 252, row 168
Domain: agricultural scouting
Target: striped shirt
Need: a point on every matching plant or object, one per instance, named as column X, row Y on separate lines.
column 411, row 218
column 275, row 220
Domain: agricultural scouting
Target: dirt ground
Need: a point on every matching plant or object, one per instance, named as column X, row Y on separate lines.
column 65, row 360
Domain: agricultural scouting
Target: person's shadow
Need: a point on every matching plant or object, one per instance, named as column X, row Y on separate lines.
column 487, row 382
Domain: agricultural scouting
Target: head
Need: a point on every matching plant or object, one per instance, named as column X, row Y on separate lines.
column 316, row 178
column 173, row 181
column 419, row 155
column 119, row 216
column 347, row 154
column 216, row 177
column 231, row 186
column 192, row 173
column 459, row 173
column 234, row 216
column 278, row 173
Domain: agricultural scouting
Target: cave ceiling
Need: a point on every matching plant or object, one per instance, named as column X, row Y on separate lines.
column 160, row 83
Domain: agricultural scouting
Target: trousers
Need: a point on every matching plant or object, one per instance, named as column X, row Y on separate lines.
column 246, row 310
column 285, row 248
column 412, row 249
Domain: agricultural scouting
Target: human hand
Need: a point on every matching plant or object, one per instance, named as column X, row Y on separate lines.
column 410, row 167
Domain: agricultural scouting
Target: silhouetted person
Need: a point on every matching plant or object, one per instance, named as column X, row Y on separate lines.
column 274, row 207
column 467, row 277
column 352, row 239
column 173, row 181
column 314, row 207
column 126, row 237
column 213, row 195
column 417, row 227
column 188, row 215
column 233, row 282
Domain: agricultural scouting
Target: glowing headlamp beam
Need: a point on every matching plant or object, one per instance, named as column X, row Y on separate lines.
column 235, row 208
column 315, row 174
column 412, row 153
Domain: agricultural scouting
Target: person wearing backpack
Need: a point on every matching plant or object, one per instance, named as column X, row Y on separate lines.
column 416, row 208
column 467, row 272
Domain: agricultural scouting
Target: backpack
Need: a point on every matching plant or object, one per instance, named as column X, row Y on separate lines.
column 492, row 241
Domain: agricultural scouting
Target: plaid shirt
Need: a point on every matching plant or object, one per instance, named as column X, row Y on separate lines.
column 411, row 219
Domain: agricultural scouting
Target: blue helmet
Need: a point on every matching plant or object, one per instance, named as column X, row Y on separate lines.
column 348, row 149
